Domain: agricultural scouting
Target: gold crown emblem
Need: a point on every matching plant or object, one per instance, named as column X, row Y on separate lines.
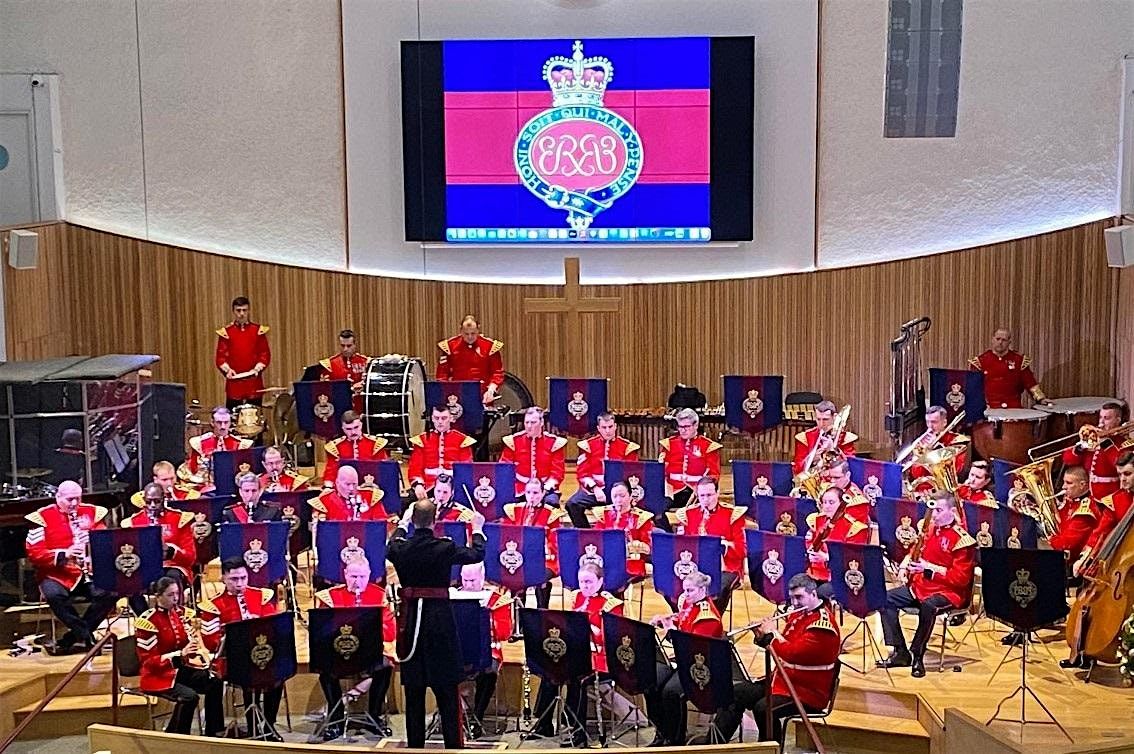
column 346, row 630
column 1023, row 574
column 261, row 640
column 853, row 565
column 255, row 544
column 245, row 467
column 352, row 541
column 127, row 548
column 553, row 632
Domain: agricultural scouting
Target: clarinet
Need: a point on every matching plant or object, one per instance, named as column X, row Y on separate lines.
column 76, row 531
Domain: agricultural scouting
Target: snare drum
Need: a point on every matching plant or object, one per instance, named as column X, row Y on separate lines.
column 393, row 398
column 248, row 420
column 1008, row 433
column 1068, row 414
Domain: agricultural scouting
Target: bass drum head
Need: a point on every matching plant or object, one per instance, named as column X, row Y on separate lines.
column 514, row 397
column 393, row 394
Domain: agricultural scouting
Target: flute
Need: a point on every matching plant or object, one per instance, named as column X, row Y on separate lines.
column 777, row 616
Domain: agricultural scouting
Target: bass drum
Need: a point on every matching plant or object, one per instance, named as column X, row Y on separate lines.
column 393, row 398
column 508, row 411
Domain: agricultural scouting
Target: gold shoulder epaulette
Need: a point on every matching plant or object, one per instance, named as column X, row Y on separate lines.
column 137, row 500
column 1025, row 361
column 811, row 519
column 331, row 448
column 418, row 441
column 496, row 346
column 267, row 594
column 801, row 438
column 974, row 363
column 558, row 443
column 143, row 622
column 467, row 441
column 100, row 513
column 583, row 445
column 510, row 442
column 443, row 345
column 632, row 447
column 849, row 437
column 186, row 518
column 736, row 513
column 964, row 539
column 263, row 330
column 324, row 596
column 823, row 623
column 325, row 363
column 222, row 332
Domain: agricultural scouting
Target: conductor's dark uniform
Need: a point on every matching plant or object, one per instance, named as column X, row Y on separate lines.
column 424, row 564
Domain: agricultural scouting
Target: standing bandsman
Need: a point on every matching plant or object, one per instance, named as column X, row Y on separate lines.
column 242, row 355
column 688, row 457
column 594, row 451
column 710, row 517
column 941, row 579
column 471, row 356
column 821, row 437
column 347, row 364
column 58, row 547
column 1006, row 373
column 352, row 446
column 434, row 452
column 1099, row 457
column 537, row 455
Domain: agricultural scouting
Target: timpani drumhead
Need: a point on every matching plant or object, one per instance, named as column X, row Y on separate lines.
column 1014, row 415
column 1090, row 404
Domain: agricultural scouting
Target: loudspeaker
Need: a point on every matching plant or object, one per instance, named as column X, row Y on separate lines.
column 1120, row 246
column 168, row 405
column 23, row 249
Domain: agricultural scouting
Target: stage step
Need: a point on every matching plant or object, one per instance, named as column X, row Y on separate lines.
column 855, row 732
column 70, row 715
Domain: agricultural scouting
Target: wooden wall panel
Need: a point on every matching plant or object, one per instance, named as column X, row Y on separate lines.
column 37, row 303
column 826, row 331
column 1124, row 334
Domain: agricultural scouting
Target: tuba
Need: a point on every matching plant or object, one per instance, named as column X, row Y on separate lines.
column 942, row 466
column 1041, row 495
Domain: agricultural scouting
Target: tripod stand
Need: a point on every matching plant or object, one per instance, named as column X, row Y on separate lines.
column 867, row 641
column 1025, row 691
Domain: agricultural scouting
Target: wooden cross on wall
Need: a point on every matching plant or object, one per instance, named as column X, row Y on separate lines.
column 574, row 306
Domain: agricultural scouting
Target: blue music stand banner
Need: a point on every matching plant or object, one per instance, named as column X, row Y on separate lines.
column 126, row 561
column 262, row 545
column 858, row 577
column 646, row 480
column 463, row 397
column 958, row 390
column 783, row 515
column 514, row 555
column 1001, row 479
column 676, row 555
column 485, row 487
column 574, row 404
column 339, row 542
column 758, row 479
column 772, row 560
column 897, row 524
column 320, row 404
column 876, row 478
column 386, row 476
column 605, row 548
column 753, row 403
column 228, row 464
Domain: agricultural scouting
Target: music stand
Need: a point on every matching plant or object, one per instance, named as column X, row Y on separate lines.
column 632, row 652
column 557, row 647
column 259, row 656
column 858, row 583
column 1025, row 589
column 474, row 638
column 706, row 668
column 338, row 644
column 126, row 561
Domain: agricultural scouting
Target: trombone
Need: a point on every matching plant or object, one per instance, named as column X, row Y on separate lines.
column 909, row 449
column 1089, row 435
column 807, row 480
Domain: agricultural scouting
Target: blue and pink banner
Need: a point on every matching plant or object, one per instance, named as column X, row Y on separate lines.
column 1002, row 481
column 876, row 478
column 756, row 479
column 514, row 555
column 575, row 403
column 897, row 524
column 772, row 560
column 485, row 487
column 605, row 548
column 382, row 475
column 263, row 547
column 782, row 514
column 126, row 561
column 339, row 542
column 319, row 406
column 958, row 390
column 1000, row 527
column 677, row 555
column 753, row 403
column 493, row 87
column 229, row 464
column 463, row 397
column 645, row 478
column 858, row 577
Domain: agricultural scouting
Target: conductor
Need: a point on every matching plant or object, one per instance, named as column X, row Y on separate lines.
column 427, row 632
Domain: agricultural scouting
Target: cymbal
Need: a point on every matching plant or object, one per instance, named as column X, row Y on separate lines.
column 30, row 473
column 275, row 390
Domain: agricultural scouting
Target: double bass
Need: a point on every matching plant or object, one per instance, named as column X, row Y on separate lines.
column 1105, row 601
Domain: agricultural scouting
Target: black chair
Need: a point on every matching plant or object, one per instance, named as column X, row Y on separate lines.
column 129, row 666
column 821, row 715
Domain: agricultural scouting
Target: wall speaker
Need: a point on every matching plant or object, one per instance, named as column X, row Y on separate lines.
column 1120, row 246
column 23, row 249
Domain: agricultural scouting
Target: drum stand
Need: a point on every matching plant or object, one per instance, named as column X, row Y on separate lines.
column 1024, row 691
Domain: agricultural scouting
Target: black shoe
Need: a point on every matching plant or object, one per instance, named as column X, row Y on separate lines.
column 896, row 660
column 1082, row 662
column 957, row 620
column 274, row 737
column 1015, row 639
column 476, row 728
column 917, row 667
column 659, row 740
column 331, row 732
column 579, row 740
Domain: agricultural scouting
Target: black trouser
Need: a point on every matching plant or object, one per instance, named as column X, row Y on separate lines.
column 188, row 685
column 269, row 702
column 728, row 584
column 485, row 690
column 680, row 499
column 333, row 692
column 577, row 507
column 447, row 707
column 901, row 597
column 542, row 592
column 753, row 695
column 61, row 602
column 665, row 706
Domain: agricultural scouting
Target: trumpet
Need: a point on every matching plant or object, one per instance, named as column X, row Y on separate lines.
column 756, row 624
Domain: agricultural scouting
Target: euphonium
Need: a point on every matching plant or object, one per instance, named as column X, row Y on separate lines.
column 1037, row 479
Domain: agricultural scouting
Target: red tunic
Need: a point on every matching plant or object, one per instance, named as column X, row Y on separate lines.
column 337, row 367
column 176, row 533
column 967, row 494
column 805, row 441
column 366, row 448
column 594, row 607
column 593, row 451
column 701, row 618
column 809, row 652
column 50, row 537
column 1111, row 510
column 1101, row 465
column 549, row 517
column 372, row 596
column 845, row 529
column 724, row 521
column 542, row 458
column 285, row 482
column 952, row 548
column 1005, row 377
column 224, row 609
column 333, row 507
column 500, row 609
column 638, row 525
column 160, row 635
column 1077, row 521
column 203, row 446
column 686, row 463
column 479, row 360
column 432, row 453
column 242, row 348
